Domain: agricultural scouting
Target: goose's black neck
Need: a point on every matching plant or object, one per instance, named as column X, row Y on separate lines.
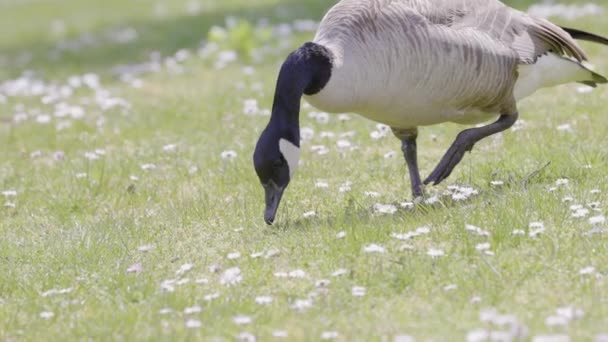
column 305, row 71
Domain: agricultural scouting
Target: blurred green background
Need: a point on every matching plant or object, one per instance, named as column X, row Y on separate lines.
column 60, row 36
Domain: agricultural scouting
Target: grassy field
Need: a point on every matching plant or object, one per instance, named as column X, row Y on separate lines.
column 131, row 210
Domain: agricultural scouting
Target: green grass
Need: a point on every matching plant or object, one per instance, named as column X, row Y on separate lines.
column 77, row 223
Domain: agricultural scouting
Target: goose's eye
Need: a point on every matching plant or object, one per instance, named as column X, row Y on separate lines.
column 279, row 163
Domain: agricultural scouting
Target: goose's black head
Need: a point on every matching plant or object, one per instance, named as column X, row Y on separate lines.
column 275, row 159
column 277, row 153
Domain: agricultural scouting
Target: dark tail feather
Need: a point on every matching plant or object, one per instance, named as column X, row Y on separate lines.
column 582, row 35
column 597, row 79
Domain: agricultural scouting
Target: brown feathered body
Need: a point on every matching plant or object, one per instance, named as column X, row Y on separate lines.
column 410, row 63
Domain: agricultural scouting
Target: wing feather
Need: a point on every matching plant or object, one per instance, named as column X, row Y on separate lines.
column 529, row 36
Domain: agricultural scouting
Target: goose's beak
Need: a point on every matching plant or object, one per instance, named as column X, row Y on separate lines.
column 273, row 198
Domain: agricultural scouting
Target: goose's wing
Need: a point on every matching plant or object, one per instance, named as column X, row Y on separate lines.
column 528, row 36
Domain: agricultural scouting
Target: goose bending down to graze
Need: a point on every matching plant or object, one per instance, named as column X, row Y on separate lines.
column 411, row 63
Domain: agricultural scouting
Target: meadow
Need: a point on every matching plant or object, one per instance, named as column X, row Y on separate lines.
column 130, row 209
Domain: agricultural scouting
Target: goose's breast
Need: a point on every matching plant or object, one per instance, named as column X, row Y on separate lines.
column 397, row 110
column 341, row 94
column 400, row 97
column 391, row 92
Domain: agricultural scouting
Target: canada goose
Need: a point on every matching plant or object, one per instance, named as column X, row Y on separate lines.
column 410, row 63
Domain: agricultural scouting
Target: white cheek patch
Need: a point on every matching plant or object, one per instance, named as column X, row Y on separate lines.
column 291, row 153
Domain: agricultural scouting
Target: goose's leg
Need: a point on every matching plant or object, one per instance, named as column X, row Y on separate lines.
column 408, row 146
column 464, row 142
